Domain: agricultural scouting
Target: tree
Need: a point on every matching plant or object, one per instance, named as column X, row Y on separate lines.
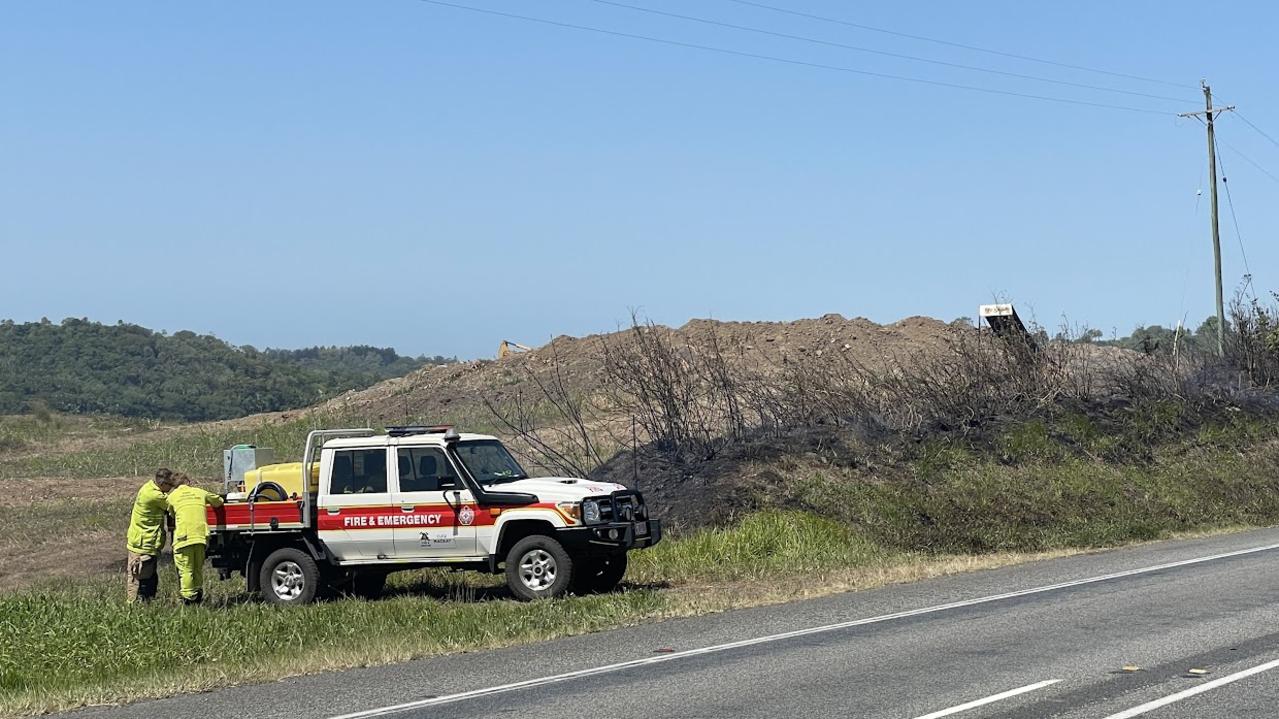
column 83, row 366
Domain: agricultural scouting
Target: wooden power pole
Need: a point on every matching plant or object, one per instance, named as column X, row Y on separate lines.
column 1208, row 115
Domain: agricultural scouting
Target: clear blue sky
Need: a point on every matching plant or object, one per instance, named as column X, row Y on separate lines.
column 409, row 175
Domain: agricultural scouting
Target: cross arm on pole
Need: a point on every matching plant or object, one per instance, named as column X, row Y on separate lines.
column 1215, row 112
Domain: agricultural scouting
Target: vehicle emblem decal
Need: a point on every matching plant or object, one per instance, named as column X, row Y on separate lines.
column 466, row 516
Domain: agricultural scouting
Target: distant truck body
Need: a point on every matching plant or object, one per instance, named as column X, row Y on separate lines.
column 361, row 505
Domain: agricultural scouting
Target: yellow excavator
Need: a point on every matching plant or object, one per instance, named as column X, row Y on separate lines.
column 508, row 348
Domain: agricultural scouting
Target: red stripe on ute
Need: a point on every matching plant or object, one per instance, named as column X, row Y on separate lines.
column 390, row 517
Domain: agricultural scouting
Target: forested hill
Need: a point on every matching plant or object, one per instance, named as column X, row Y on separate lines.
column 123, row 369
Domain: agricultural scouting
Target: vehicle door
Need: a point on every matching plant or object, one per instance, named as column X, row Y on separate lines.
column 355, row 504
column 437, row 512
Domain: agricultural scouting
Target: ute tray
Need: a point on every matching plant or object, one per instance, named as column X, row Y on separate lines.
column 255, row 516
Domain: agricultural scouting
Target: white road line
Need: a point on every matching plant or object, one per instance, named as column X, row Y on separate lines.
column 1171, row 698
column 989, row 700
column 662, row 658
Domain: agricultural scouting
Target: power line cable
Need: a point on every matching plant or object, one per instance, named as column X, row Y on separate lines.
column 1251, row 161
column 974, row 48
column 1258, row 129
column 1225, row 183
column 884, row 53
column 791, row 61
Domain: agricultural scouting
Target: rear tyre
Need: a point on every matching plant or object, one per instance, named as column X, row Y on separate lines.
column 598, row 575
column 289, row 576
column 537, row 567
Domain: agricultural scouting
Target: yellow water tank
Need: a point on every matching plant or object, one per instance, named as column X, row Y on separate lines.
column 288, row 476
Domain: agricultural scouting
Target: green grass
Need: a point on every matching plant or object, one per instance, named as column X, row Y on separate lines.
column 765, row 544
column 29, row 527
column 24, row 433
column 1038, row 493
column 84, row 645
column 196, row 449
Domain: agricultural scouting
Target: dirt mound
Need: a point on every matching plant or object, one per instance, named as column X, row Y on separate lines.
column 733, row 482
column 455, row 393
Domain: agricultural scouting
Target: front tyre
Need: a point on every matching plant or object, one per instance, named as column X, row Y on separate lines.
column 537, row 567
column 289, row 576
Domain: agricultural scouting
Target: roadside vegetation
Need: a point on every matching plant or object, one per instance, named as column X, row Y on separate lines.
column 976, row 409
column 1051, row 496
column 79, row 644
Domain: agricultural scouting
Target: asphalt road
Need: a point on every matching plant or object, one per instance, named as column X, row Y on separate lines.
column 1049, row 639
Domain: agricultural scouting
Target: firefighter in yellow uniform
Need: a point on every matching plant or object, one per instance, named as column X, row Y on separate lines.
column 145, row 537
column 190, row 535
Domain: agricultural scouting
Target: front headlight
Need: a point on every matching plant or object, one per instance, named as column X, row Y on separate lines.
column 590, row 511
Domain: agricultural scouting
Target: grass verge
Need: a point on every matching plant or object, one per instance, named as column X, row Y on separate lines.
column 83, row 646
column 960, row 501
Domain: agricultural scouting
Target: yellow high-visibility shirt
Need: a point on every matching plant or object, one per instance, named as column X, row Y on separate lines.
column 191, row 524
column 146, row 524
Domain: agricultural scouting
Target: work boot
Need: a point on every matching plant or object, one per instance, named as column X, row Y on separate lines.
column 147, row 589
column 191, row 601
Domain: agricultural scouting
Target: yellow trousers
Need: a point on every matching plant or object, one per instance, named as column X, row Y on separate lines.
column 190, row 563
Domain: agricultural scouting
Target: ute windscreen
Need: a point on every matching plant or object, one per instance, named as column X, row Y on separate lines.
column 489, row 462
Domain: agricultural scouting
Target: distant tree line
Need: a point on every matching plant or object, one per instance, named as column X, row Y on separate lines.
column 1157, row 339
column 124, row 369
column 1250, row 338
column 1151, row 340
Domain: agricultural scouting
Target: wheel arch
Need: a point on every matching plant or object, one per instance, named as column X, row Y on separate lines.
column 516, row 528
